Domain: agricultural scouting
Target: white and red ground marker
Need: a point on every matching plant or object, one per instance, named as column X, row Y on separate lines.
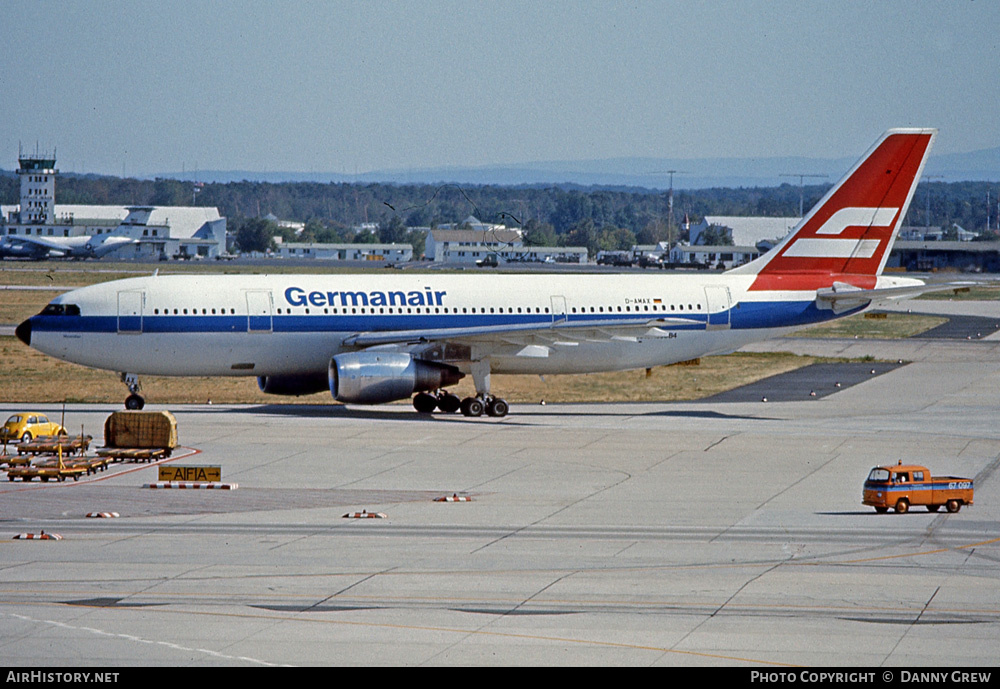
column 364, row 514
column 455, row 497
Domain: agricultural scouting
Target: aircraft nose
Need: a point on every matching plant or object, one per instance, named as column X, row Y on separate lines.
column 23, row 332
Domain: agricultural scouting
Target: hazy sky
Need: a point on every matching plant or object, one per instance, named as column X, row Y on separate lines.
column 348, row 87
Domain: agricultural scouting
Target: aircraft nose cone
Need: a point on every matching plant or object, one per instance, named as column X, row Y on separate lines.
column 23, row 332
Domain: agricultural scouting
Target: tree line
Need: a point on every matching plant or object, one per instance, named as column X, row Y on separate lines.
column 595, row 217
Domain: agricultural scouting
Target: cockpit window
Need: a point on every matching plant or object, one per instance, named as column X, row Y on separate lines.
column 61, row 310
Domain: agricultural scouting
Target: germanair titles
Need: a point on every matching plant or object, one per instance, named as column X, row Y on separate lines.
column 297, row 296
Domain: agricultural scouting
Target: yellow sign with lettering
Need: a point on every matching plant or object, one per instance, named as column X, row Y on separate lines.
column 198, row 474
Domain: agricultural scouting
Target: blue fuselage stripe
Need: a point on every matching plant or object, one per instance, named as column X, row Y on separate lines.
column 745, row 315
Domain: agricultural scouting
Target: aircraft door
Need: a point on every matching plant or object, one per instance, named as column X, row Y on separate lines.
column 259, row 311
column 718, row 302
column 558, row 310
column 130, row 312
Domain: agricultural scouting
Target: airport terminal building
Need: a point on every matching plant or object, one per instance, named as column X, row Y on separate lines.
column 389, row 253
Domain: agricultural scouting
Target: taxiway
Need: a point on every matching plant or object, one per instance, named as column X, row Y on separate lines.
column 710, row 533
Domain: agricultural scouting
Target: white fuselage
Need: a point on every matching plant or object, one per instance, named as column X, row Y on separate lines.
column 254, row 325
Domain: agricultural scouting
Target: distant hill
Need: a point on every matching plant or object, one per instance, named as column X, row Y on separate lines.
column 650, row 173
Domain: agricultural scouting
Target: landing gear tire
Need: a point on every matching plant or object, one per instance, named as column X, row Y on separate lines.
column 472, row 406
column 425, row 403
column 134, row 401
column 497, row 407
column 449, row 403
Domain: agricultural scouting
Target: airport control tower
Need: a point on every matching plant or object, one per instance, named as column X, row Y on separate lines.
column 38, row 188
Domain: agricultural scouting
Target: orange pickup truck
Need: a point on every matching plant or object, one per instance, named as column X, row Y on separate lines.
column 904, row 485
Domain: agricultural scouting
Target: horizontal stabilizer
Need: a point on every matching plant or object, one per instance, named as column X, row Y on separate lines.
column 843, row 297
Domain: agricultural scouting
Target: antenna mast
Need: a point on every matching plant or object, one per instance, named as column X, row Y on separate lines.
column 801, row 177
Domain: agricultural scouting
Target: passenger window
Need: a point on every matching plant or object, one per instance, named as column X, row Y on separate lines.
column 918, row 476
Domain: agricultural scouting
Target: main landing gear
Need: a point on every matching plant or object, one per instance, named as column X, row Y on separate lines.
column 134, row 401
column 449, row 403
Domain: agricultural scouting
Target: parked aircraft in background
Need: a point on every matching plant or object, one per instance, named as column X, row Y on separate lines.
column 38, row 247
column 374, row 338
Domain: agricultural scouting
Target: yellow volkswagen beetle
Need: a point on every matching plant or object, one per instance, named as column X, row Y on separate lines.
column 28, row 425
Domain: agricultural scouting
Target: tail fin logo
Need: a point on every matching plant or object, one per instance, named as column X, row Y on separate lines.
column 847, row 236
column 882, row 218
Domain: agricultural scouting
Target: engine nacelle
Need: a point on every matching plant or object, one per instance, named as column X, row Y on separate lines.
column 377, row 377
column 299, row 384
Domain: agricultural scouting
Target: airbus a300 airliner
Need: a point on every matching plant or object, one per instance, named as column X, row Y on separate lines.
column 370, row 339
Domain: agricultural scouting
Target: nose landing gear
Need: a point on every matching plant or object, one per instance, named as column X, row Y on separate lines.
column 134, row 401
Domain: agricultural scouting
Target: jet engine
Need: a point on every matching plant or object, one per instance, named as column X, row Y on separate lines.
column 375, row 377
column 300, row 384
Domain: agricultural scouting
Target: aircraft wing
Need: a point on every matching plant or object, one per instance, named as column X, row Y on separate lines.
column 538, row 335
column 843, row 297
column 15, row 247
column 42, row 242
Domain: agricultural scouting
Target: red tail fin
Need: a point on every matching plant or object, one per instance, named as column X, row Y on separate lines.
column 846, row 237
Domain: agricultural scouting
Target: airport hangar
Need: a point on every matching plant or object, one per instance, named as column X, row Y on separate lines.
column 699, row 533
